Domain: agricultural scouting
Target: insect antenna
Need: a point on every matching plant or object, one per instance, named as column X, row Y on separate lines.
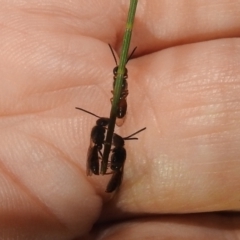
column 87, row 112
column 116, row 58
column 131, row 54
column 130, row 136
column 113, row 54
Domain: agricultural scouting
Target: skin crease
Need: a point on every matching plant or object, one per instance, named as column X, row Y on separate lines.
column 184, row 86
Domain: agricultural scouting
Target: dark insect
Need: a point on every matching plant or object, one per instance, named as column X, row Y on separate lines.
column 122, row 106
column 117, row 161
column 96, row 143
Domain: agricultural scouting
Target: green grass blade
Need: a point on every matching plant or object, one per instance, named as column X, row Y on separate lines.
column 118, row 84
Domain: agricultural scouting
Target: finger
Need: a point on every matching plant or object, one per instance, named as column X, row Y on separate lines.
column 45, row 62
column 188, row 158
column 158, row 25
column 198, row 226
column 162, row 24
column 40, row 174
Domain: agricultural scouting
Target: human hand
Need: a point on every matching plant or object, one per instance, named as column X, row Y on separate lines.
column 183, row 86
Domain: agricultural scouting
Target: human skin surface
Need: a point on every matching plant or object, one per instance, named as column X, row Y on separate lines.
column 181, row 178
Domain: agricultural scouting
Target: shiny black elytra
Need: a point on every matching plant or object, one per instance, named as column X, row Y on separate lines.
column 117, row 161
column 96, row 143
column 122, row 107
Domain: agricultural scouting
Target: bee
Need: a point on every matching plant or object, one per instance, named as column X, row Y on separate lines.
column 118, row 158
column 122, row 106
column 96, row 143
